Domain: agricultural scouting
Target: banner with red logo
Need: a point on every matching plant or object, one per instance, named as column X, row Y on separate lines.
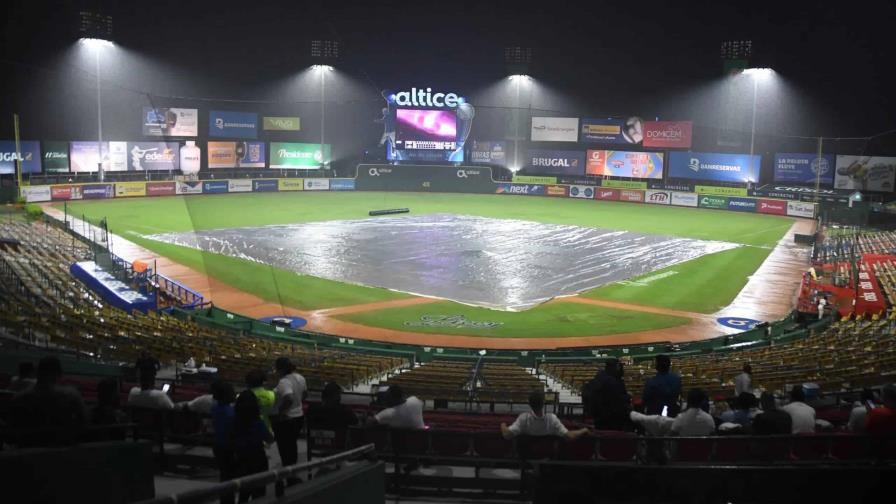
column 774, row 207
column 557, row 190
column 161, row 188
column 66, row 192
column 668, row 134
column 631, row 195
column 658, row 197
column 606, row 194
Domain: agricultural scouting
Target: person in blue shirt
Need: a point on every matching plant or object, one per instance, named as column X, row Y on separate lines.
column 741, row 416
column 662, row 390
column 222, row 422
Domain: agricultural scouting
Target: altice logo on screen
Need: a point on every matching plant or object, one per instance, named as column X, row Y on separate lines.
column 426, row 98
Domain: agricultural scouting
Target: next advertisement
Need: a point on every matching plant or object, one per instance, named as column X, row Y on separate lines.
column 714, row 166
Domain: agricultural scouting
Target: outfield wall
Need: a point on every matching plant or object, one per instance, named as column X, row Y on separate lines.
column 446, row 179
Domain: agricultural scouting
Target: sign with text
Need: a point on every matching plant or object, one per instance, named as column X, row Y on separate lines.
column 625, row 164
column 239, row 185
column 721, row 191
column 164, row 121
column 28, row 154
column 714, row 166
column 520, row 189
column 623, row 184
column 489, row 152
column 149, row 156
column 801, row 209
column 580, row 191
column 236, row 154
column 344, row 184
column 34, row 194
column 705, row 201
column 557, row 190
column 668, row 134
column 557, row 162
column 290, row 184
column 189, row 187
column 631, row 195
column 304, row 156
column 531, row 179
column 804, row 168
column 742, row 204
column 130, row 189
column 317, row 184
column 555, row 129
column 226, row 124
column 161, row 188
column 613, row 130
column 281, row 123
column 865, row 173
column 55, row 157
column 606, row 194
column 85, row 156
column 772, row 207
column 658, row 197
column 686, row 199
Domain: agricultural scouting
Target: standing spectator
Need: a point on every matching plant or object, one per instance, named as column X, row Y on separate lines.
column 249, row 437
column 538, row 423
column 882, row 420
column 771, row 420
column 55, row 412
column 25, row 380
column 402, row 413
column 222, row 421
column 255, row 383
column 146, row 395
column 801, row 414
column 330, row 413
column 741, row 415
column 288, row 415
column 694, row 421
column 662, row 390
column 605, row 398
column 744, row 381
column 860, row 411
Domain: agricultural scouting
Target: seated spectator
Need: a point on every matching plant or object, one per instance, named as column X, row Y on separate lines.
column 330, row 413
column 266, row 398
column 402, row 413
column 742, row 415
column 653, row 425
column 539, row 423
column 605, row 398
column 56, row 413
column 881, row 421
column 860, row 411
column 25, row 380
column 771, row 420
column 146, row 395
column 250, row 435
column 801, row 414
column 662, row 390
column 694, row 421
column 222, row 422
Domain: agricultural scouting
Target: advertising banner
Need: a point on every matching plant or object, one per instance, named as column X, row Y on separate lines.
column 116, row 159
column 161, row 188
column 800, row 209
column 613, row 130
column 236, row 155
column 577, row 181
column 28, row 154
column 556, row 162
column 290, row 184
column 668, row 134
column 191, row 187
column 606, row 194
column 215, row 186
column 721, row 191
column 770, row 206
column 281, row 123
column 489, row 152
column 239, row 185
column 97, row 191
column 865, row 173
column 658, row 197
column 742, row 204
column 179, row 122
column 529, row 179
column 84, row 156
column 55, row 156
column 65, row 192
column 34, row 194
column 298, row 155
column 623, row 184
column 687, row 199
column 625, row 164
column 424, row 178
column 556, row 190
column 269, row 185
column 555, row 129
column 670, row 186
column 345, row 184
column 720, row 202
column 804, row 168
column 631, row 195
column 224, row 124
column 580, row 191
column 714, row 166
column 153, row 156
column 317, row 184
column 130, row 189
column 520, row 189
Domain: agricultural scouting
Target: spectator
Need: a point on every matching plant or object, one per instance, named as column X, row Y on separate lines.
column 402, row 413
column 222, row 421
column 744, row 381
column 331, row 414
column 771, row 420
column 881, row 421
column 255, row 383
column 860, row 411
column 653, row 425
column 605, row 398
column 55, row 412
column 205, row 403
column 539, row 423
column 146, row 395
column 662, row 390
column 249, row 437
column 288, row 416
column 147, row 362
column 694, row 421
column 741, row 416
column 25, row 379
column 801, row 414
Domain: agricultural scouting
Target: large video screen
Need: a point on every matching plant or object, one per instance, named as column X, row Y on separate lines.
column 425, row 135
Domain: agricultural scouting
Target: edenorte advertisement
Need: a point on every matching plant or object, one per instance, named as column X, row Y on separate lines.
column 714, row 166
column 555, row 129
column 557, row 162
column 236, row 155
column 299, row 155
column 625, row 164
column 162, row 121
column 489, row 153
column 613, row 130
column 865, row 173
column 804, row 168
column 224, row 124
column 55, row 156
column 150, row 156
column 28, row 154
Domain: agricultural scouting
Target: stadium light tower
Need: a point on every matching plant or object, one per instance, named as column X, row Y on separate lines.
column 517, row 60
column 96, row 33
column 518, row 81
column 757, row 74
column 326, row 52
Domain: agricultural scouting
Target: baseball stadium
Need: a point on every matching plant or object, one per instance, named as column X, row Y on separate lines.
column 361, row 283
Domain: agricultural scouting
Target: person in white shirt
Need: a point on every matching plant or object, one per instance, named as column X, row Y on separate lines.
column 694, row 421
column 538, row 423
column 287, row 415
column 802, row 414
column 403, row 413
column 146, row 395
column 860, row 411
column 744, row 381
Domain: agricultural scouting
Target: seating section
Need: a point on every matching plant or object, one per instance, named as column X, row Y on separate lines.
column 840, row 246
column 451, row 380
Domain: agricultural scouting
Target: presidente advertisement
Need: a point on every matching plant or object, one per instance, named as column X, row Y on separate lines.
column 865, row 173
column 152, row 156
column 555, row 129
column 164, row 121
column 226, row 124
column 804, row 168
column 625, row 164
column 714, row 166
column 492, row 152
column 55, row 156
column 28, row 154
column 668, row 134
column 555, row 162
column 84, row 156
column 236, row 155
column 613, row 130
column 304, row 156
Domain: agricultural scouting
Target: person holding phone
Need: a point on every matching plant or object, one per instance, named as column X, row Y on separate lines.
column 146, row 395
column 694, row 421
column 859, row 413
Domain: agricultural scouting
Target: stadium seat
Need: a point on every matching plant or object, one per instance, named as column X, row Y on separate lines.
column 733, row 450
column 449, row 444
column 810, row 447
column 492, row 445
column 692, row 449
column 536, row 447
column 616, row 446
column 581, row 448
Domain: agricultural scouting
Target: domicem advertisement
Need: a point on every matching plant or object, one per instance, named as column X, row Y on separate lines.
column 668, row 134
column 625, row 164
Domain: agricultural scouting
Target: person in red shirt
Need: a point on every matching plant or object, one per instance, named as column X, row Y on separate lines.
column 881, row 421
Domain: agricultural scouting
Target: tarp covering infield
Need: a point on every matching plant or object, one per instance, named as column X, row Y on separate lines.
column 495, row 263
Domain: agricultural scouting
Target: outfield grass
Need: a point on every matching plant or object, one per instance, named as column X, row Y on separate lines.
column 544, row 321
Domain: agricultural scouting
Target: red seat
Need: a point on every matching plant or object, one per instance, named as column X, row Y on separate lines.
column 810, row 447
column 849, row 447
column 492, row 445
column 581, row 448
column 693, row 450
column 772, row 449
column 449, row 444
column 617, row 446
column 733, row 449
column 409, row 441
column 536, row 447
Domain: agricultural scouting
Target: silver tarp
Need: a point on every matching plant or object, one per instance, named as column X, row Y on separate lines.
column 496, row 263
